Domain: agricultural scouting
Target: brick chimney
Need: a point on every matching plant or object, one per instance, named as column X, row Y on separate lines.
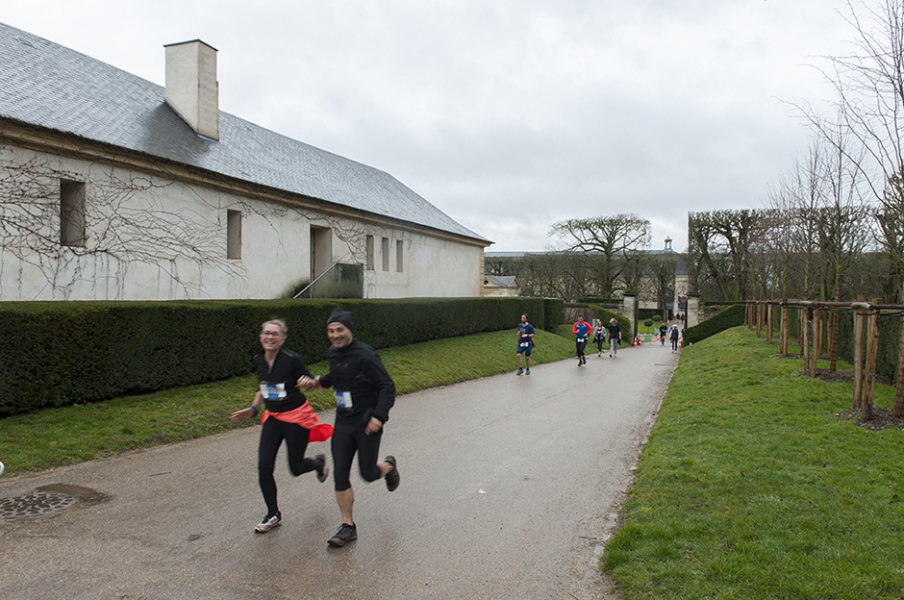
column 191, row 85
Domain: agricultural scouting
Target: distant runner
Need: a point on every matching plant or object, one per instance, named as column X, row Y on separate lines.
column 526, row 335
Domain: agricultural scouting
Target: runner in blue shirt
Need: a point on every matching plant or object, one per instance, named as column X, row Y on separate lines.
column 525, row 342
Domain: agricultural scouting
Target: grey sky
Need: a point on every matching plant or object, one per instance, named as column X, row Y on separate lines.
column 508, row 115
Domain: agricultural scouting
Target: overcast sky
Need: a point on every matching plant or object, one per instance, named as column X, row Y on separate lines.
column 508, row 115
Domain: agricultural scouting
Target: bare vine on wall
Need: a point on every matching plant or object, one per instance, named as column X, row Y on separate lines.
column 127, row 222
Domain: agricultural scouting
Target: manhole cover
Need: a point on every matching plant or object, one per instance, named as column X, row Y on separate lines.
column 46, row 500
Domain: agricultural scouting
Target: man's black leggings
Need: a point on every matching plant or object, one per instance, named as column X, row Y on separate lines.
column 348, row 439
column 273, row 433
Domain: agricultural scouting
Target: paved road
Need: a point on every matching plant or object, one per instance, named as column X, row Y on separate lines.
column 510, row 486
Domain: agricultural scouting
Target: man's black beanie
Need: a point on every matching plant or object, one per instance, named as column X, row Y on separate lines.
column 340, row 315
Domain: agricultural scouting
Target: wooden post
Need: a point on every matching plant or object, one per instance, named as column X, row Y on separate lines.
column 805, row 335
column 872, row 351
column 817, row 330
column 759, row 319
column 769, row 323
column 784, row 330
column 899, row 384
column 835, row 325
column 859, row 309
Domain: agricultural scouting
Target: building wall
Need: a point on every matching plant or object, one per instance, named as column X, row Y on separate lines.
column 152, row 237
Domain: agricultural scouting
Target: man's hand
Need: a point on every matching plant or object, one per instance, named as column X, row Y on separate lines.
column 373, row 426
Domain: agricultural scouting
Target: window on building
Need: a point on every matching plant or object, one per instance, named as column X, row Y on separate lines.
column 234, row 234
column 370, row 252
column 399, row 248
column 385, row 254
column 72, row 213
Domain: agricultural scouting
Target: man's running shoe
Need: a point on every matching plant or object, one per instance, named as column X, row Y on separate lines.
column 520, row 372
column 268, row 523
column 527, row 372
column 323, row 471
column 346, row 534
column 392, row 478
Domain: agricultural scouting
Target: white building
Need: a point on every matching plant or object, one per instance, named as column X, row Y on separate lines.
column 115, row 188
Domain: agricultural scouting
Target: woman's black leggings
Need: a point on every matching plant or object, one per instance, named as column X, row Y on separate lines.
column 674, row 343
column 348, row 439
column 273, row 433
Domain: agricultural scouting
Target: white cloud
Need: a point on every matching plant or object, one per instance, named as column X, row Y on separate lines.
column 507, row 115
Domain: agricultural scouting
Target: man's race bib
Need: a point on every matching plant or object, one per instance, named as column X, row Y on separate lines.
column 525, row 344
column 580, row 340
column 344, row 400
column 273, row 391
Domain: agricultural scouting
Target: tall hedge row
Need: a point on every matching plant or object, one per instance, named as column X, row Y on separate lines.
column 59, row 353
column 728, row 318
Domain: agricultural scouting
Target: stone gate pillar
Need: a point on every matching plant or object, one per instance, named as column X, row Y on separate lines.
column 629, row 310
column 692, row 314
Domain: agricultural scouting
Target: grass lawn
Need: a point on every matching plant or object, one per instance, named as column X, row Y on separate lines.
column 62, row 436
column 752, row 485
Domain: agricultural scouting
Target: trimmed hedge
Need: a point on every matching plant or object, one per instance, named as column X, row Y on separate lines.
column 624, row 323
column 553, row 309
column 60, row 353
column 728, row 318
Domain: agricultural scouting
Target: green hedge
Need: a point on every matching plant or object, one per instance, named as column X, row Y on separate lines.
column 592, row 300
column 60, row 353
column 728, row 318
column 623, row 323
column 553, row 311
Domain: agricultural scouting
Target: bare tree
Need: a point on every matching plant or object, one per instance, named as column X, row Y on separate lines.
column 721, row 244
column 614, row 239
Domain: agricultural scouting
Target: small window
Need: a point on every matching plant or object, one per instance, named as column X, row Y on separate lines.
column 72, row 213
column 399, row 249
column 370, row 252
column 385, row 254
column 234, row 234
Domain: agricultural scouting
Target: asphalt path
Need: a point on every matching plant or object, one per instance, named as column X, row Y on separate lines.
column 510, row 487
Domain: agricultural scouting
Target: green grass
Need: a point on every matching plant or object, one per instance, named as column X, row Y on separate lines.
column 63, row 436
column 751, row 486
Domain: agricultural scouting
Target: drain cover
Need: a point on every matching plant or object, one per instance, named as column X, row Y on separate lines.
column 46, row 500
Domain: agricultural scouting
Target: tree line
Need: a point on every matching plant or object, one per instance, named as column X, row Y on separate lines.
column 832, row 227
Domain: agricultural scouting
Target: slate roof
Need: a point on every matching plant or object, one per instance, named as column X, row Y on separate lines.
column 501, row 280
column 50, row 86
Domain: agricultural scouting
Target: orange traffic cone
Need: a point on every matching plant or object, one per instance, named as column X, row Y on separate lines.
column 679, row 343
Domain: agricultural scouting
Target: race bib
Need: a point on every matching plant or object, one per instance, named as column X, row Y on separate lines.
column 580, row 340
column 525, row 344
column 344, row 400
column 273, row 391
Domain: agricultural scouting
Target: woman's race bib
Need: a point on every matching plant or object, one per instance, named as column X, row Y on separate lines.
column 273, row 391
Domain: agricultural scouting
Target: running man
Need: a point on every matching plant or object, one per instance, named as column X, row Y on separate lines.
column 526, row 334
column 364, row 394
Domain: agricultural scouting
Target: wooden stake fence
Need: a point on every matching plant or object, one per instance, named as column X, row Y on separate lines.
column 815, row 319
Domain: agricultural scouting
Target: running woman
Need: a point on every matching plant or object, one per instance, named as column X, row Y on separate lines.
column 288, row 417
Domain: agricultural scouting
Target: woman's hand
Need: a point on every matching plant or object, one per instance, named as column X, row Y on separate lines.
column 242, row 414
column 308, row 383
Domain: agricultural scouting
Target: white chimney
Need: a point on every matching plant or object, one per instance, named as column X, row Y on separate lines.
column 191, row 85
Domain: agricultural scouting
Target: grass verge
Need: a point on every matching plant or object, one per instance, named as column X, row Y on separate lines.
column 63, row 436
column 753, row 486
